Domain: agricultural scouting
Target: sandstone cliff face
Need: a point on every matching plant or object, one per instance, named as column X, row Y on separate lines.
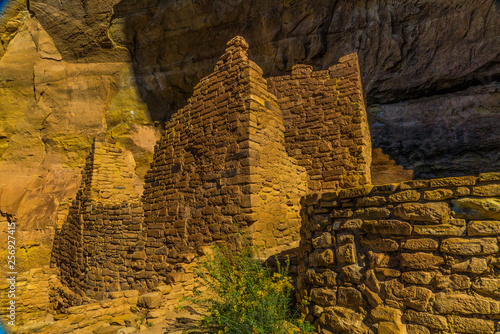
column 50, row 110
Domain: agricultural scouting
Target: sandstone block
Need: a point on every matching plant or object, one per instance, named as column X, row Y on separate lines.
column 150, row 300
column 426, row 319
column 438, row 194
column 471, row 247
column 343, row 320
column 380, row 244
column 418, row 277
column 472, row 325
column 453, row 282
column 355, row 192
column 489, row 190
column 322, row 241
column 385, row 327
column 421, row 261
column 422, row 244
column 371, row 201
column 324, row 297
column 387, row 227
column 346, row 254
column 405, row 196
column 321, row 278
column 441, row 229
column 417, row 297
column 347, row 224
column 474, row 266
column 416, row 329
column 350, row 297
column 465, row 304
column 386, row 313
column 453, row 181
column 321, row 258
column 483, row 227
column 493, row 176
column 352, row 273
column 372, row 213
column 490, row 286
column 373, row 298
column 477, row 208
column 429, row 212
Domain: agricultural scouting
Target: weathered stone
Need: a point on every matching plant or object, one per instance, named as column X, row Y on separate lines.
column 324, row 240
column 347, row 224
column 422, row 244
column 325, row 277
column 371, row 201
column 453, row 282
column 453, row 181
column 474, row 266
column 426, row 319
column 324, row 297
column 462, row 191
column 385, row 327
column 489, row 190
column 372, row 213
column 346, row 254
column 380, row 244
column 417, row 297
column 416, row 329
column 373, row 298
column 150, row 300
column 405, row 196
column 465, row 304
column 343, row 319
column 350, row 297
column 371, row 280
column 355, row 192
column 352, row 273
column 483, row 228
column 385, row 313
column 387, row 227
column 441, row 229
column 418, row 277
column 493, row 176
column 471, row 325
column 489, row 286
column 477, row 208
column 429, row 212
column 321, row 258
column 438, row 194
column 421, row 261
column 471, row 247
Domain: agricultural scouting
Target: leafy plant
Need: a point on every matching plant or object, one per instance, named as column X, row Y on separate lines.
column 243, row 296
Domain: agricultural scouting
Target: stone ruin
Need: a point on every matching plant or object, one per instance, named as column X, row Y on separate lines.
column 288, row 160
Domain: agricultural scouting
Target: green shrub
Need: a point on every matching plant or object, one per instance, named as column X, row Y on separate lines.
column 243, row 296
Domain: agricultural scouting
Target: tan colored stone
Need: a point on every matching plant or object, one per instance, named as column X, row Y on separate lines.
column 422, row 244
column 471, row 247
column 347, row 224
column 426, row 319
column 493, row 176
column 453, row 181
column 352, row 273
column 373, row 298
column 387, row 227
column 441, row 229
column 385, row 313
column 483, row 227
column 489, row 190
column 471, row 325
column 429, row 212
column 474, row 266
column 462, row 191
column 477, row 208
column 416, row 329
column 371, row 201
column 150, row 300
column 343, row 320
column 418, row 277
column 380, row 244
column 417, row 297
column 405, row 196
column 421, row 261
column 321, row 258
column 350, row 297
column 453, row 282
column 324, row 297
column 438, row 194
column 465, row 304
column 355, row 192
column 346, row 254
column 489, row 286
column 415, row 184
column 372, row 213
column 322, row 241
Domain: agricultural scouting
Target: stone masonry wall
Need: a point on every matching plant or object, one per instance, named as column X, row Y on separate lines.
column 100, row 247
column 222, row 163
column 410, row 257
column 326, row 125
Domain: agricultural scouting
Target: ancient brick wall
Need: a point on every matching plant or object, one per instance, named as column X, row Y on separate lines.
column 100, row 247
column 420, row 256
column 326, row 125
column 222, row 163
